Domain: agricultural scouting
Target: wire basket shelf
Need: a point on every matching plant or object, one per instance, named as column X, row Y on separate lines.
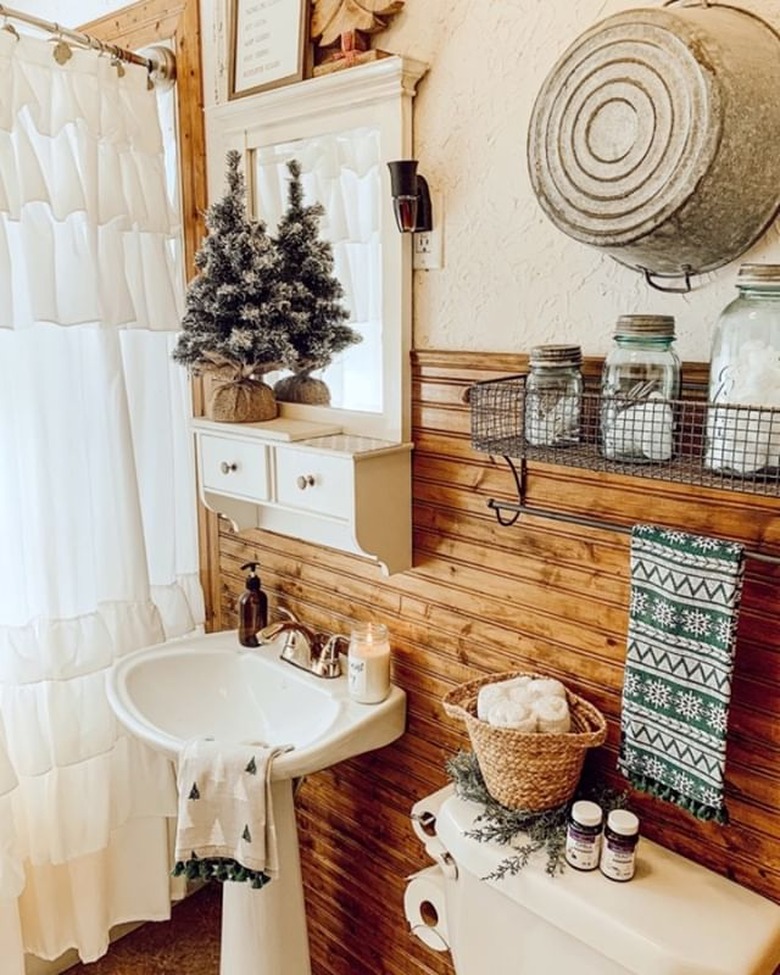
column 687, row 440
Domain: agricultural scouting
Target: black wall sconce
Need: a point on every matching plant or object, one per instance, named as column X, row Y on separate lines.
column 411, row 197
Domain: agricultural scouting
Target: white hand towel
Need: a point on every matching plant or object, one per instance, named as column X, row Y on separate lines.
column 546, row 687
column 225, row 828
column 506, row 713
column 552, row 715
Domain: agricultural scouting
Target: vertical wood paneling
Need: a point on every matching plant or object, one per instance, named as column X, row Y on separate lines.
column 480, row 599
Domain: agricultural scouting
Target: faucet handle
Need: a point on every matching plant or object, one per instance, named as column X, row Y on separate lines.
column 327, row 662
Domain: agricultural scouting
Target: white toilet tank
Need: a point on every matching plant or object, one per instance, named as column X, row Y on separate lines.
column 674, row 918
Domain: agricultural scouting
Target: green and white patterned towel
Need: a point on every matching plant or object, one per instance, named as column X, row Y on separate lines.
column 685, row 592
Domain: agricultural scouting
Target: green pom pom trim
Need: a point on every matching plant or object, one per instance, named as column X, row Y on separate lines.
column 715, row 814
column 220, row 869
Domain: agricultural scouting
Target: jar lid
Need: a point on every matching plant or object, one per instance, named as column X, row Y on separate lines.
column 623, row 822
column 555, row 355
column 645, row 326
column 758, row 274
column 586, row 813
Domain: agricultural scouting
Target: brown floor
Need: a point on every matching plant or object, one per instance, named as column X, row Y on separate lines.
column 188, row 944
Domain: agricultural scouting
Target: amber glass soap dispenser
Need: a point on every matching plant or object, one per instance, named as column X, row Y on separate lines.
column 252, row 608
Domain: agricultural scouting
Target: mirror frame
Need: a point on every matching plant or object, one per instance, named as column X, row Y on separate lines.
column 377, row 95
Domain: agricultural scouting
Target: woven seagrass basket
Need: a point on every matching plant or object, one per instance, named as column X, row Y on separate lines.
column 528, row 771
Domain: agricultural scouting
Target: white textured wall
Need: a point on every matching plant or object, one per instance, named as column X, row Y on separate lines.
column 510, row 279
column 69, row 13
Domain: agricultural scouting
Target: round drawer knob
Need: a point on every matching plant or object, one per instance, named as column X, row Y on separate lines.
column 227, row 468
column 305, row 480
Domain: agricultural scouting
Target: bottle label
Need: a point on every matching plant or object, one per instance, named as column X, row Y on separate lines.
column 582, row 847
column 356, row 676
column 618, row 859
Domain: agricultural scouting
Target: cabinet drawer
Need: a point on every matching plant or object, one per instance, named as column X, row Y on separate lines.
column 234, row 467
column 314, row 482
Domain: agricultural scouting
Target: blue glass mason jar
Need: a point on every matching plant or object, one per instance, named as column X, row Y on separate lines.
column 639, row 386
column 743, row 420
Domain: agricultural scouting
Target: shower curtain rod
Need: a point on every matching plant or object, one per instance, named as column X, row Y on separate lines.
column 161, row 65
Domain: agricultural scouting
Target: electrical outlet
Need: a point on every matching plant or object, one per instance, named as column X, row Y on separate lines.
column 428, row 251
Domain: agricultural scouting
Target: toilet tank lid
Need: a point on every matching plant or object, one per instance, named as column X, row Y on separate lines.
column 674, row 918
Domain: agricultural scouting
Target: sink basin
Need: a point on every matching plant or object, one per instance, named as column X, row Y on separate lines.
column 210, row 686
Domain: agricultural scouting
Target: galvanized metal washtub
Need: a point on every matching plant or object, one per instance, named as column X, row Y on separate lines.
column 656, row 137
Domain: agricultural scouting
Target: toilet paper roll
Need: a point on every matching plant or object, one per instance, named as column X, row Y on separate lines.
column 425, row 910
column 423, row 817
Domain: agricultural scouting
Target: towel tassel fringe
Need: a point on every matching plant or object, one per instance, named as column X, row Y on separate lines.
column 219, row 869
column 698, row 809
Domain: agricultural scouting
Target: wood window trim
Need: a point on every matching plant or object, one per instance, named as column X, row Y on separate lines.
column 178, row 21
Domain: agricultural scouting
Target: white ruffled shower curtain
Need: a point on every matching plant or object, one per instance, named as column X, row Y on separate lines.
column 98, row 542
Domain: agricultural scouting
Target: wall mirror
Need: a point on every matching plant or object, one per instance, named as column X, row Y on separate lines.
column 342, row 128
column 340, row 170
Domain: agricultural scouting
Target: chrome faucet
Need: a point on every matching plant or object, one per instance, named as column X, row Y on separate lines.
column 317, row 653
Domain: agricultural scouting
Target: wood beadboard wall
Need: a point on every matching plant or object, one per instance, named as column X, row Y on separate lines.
column 482, row 598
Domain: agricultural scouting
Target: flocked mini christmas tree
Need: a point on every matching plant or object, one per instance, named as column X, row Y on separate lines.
column 317, row 329
column 236, row 322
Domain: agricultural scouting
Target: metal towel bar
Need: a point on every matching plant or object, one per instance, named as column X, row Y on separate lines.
column 521, row 508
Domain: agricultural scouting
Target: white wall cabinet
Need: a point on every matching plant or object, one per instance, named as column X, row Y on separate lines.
column 311, row 481
column 338, row 476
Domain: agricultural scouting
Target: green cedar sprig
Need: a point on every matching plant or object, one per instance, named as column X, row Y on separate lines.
column 524, row 831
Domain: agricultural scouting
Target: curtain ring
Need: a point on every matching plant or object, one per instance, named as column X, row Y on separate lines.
column 8, row 26
column 62, row 52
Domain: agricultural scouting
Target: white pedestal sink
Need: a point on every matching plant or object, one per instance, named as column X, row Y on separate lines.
column 209, row 686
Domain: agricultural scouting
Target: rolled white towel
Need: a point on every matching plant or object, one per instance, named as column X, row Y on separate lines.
column 506, row 713
column 546, row 687
column 552, row 715
column 489, row 695
column 515, row 689
column 519, row 689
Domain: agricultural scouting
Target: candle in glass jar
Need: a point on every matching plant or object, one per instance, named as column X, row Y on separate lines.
column 368, row 663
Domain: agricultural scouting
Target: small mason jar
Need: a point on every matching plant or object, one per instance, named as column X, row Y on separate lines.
column 553, row 396
column 743, row 431
column 640, row 382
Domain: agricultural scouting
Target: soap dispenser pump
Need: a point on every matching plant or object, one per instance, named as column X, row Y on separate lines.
column 252, row 608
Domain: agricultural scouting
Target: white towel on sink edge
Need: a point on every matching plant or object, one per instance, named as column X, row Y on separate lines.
column 225, row 828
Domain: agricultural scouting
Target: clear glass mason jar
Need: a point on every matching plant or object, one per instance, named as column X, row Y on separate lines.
column 553, row 396
column 640, row 382
column 745, row 372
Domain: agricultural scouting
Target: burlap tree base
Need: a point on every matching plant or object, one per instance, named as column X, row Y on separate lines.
column 243, row 401
column 302, row 388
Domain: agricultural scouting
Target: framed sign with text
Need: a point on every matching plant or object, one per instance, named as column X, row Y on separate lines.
column 267, row 44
